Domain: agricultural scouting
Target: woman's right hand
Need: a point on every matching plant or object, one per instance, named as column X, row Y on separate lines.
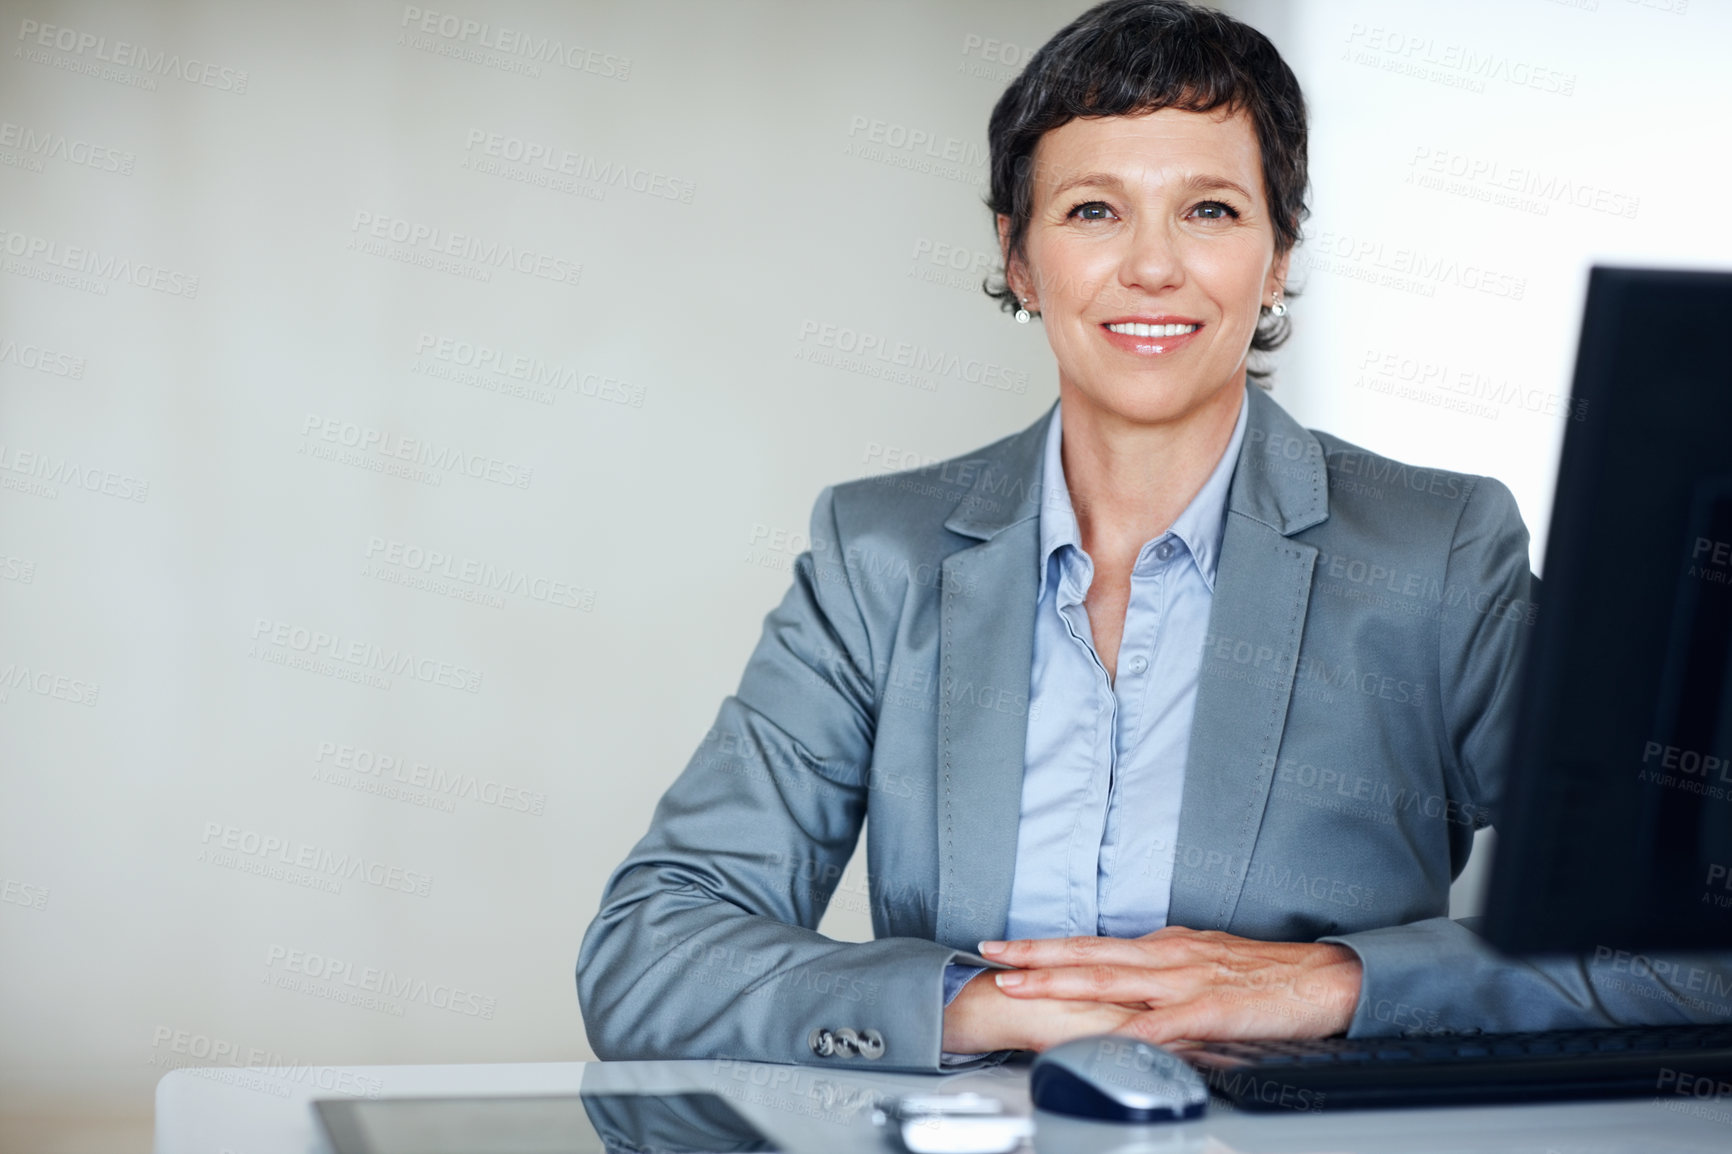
column 982, row 1018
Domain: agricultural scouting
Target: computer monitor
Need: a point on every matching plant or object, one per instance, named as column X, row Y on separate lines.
column 1616, row 826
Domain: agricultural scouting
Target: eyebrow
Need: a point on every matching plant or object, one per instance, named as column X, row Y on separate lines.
column 1197, row 183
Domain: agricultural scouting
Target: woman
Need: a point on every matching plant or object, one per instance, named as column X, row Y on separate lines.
column 1198, row 708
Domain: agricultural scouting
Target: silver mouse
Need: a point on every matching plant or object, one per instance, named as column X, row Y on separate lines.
column 1116, row 1079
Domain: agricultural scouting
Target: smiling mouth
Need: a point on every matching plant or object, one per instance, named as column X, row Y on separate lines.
column 1136, row 330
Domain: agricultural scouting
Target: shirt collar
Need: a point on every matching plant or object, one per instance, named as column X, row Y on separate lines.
column 1200, row 526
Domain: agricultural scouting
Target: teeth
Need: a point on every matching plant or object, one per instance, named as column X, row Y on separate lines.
column 1153, row 330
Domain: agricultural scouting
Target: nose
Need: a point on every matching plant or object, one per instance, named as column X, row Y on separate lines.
column 1152, row 260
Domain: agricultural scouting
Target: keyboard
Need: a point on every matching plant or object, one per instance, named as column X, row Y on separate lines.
column 1436, row 1070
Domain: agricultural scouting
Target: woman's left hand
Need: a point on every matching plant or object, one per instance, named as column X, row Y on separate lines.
column 1200, row 985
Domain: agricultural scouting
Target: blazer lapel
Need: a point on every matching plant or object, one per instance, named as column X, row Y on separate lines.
column 986, row 655
column 1262, row 589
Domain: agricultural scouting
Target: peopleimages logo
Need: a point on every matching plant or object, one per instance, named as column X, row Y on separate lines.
column 558, row 161
column 510, row 42
column 44, row 473
column 428, row 245
column 872, row 349
column 273, row 640
column 538, row 376
column 16, row 678
column 371, row 767
column 94, row 268
column 42, row 360
column 330, row 977
column 46, row 144
column 481, row 575
column 251, row 1067
column 326, row 437
column 251, row 851
column 88, row 46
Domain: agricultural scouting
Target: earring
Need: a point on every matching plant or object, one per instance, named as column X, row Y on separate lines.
column 1022, row 313
column 1279, row 308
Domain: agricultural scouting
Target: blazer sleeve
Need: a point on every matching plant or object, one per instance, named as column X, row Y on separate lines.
column 705, row 945
column 1439, row 974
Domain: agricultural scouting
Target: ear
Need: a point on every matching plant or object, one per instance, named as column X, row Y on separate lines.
column 1015, row 273
column 1278, row 274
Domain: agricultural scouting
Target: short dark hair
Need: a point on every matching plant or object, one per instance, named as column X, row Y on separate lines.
column 1129, row 57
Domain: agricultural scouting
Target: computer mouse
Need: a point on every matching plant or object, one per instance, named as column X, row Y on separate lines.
column 1116, row 1079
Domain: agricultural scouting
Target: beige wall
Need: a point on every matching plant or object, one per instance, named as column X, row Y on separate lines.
column 243, row 406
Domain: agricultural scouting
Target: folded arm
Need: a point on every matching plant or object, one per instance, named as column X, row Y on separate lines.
column 706, row 942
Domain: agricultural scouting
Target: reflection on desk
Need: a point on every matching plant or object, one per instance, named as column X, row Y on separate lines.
column 812, row 1108
column 675, row 1124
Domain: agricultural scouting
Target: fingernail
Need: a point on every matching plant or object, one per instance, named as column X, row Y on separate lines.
column 990, row 947
column 1007, row 979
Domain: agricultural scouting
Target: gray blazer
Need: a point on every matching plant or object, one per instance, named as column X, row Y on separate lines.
column 1354, row 699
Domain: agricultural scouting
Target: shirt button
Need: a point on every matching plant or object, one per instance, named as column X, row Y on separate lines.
column 1138, row 664
column 1165, row 550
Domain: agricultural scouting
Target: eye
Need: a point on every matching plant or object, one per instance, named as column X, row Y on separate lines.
column 1091, row 210
column 1215, row 210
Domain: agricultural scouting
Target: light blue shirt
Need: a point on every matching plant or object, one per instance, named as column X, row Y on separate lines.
column 1104, row 764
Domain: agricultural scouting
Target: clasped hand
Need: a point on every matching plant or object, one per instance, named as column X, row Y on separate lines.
column 1176, row 983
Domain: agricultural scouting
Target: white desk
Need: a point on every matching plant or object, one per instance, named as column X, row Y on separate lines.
column 805, row 1108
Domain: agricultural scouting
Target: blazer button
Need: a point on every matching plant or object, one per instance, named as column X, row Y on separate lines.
column 822, row 1041
column 871, row 1044
column 847, row 1043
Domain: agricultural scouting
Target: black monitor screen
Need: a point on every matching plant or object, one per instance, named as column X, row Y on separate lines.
column 1615, row 830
